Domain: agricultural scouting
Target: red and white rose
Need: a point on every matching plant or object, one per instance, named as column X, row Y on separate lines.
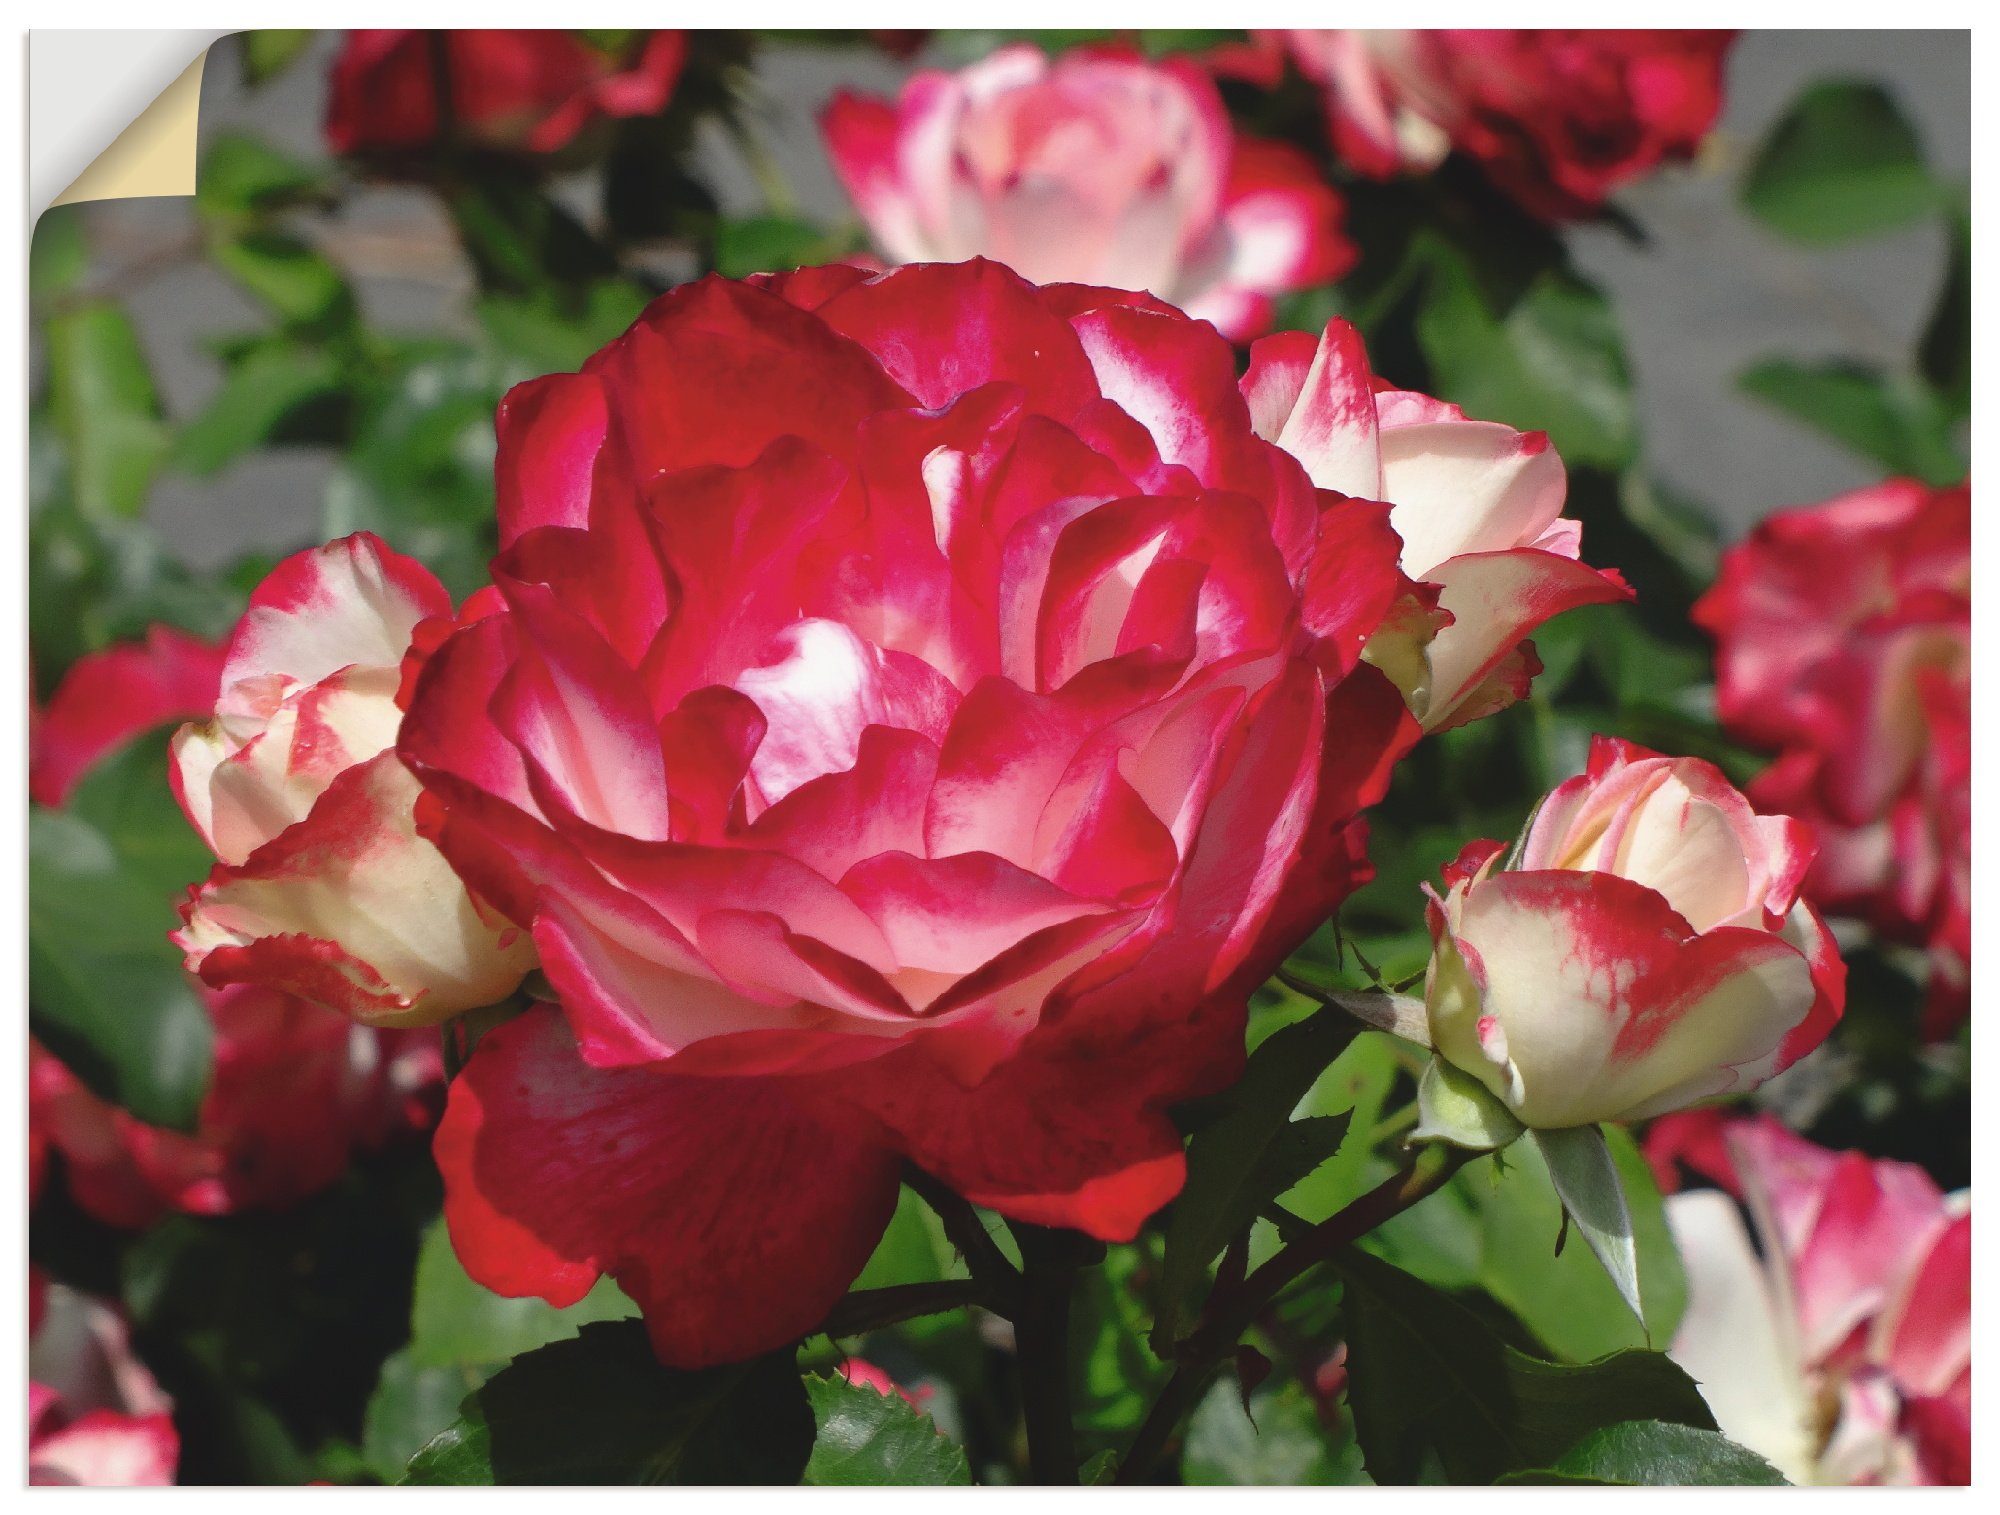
column 1477, row 504
column 920, row 711
column 1840, row 1348
column 1844, row 643
column 96, row 1417
column 324, row 889
column 1556, row 118
column 525, row 91
column 1643, row 946
column 1095, row 167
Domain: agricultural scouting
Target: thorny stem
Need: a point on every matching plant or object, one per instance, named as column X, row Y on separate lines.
column 1232, row 1310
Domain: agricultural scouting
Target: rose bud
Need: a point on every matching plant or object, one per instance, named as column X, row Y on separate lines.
column 96, row 1416
column 1844, row 643
column 1557, row 118
column 511, row 91
column 324, row 889
column 1095, row 167
column 1644, row 946
column 1477, row 504
column 1840, row 1349
column 921, row 711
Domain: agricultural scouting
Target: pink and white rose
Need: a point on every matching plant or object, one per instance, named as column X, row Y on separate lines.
column 1644, row 946
column 1097, row 167
column 96, row 1417
column 1840, row 1347
column 1477, row 504
column 324, row 889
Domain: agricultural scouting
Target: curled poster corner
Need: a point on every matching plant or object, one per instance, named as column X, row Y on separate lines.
column 84, row 132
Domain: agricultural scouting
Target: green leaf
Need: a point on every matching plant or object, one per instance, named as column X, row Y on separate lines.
column 242, row 175
column 1457, row 1108
column 411, row 1403
column 105, row 407
column 913, row 1250
column 555, row 335
column 1893, row 421
column 455, row 1322
column 270, row 51
column 258, row 393
column 1568, row 1302
column 1944, row 353
column 1587, row 1182
column 1659, row 1454
column 1431, row 1385
column 876, row 1440
column 601, row 1409
column 1242, row 1160
column 58, row 256
column 106, row 989
column 300, row 287
column 1280, row 1440
column 773, row 244
column 1549, row 359
column 1841, row 162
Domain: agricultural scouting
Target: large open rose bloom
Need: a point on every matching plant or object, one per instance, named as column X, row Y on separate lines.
column 1841, row 1348
column 1557, row 118
column 1478, row 506
column 1096, row 167
column 1643, row 948
column 518, row 91
column 96, row 1417
column 1844, row 643
column 324, row 889
column 921, row 711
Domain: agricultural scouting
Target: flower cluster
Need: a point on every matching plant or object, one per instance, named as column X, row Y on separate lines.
column 1844, row 643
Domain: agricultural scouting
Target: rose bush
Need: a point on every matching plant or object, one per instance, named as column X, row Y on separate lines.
column 1095, row 167
column 1478, row 506
column 1844, row 643
column 511, row 91
column 1643, row 946
column 96, row 1417
column 324, row 889
column 923, row 708
column 1842, row 1348
column 1558, row 119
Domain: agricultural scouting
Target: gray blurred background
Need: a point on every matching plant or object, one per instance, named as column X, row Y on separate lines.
column 1708, row 292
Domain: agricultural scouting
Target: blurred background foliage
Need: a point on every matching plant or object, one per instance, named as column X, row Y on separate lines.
column 334, row 1339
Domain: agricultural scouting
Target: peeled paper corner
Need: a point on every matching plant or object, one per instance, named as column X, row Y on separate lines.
column 87, row 83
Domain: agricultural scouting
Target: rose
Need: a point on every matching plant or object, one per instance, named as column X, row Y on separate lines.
column 1098, row 167
column 1643, row 947
column 295, row 1089
column 1478, row 505
column 1844, row 642
column 324, row 888
column 96, row 1417
column 921, row 711
column 527, row 91
column 1558, row 119
column 1844, row 1354
column 296, row 1092
column 111, row 696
